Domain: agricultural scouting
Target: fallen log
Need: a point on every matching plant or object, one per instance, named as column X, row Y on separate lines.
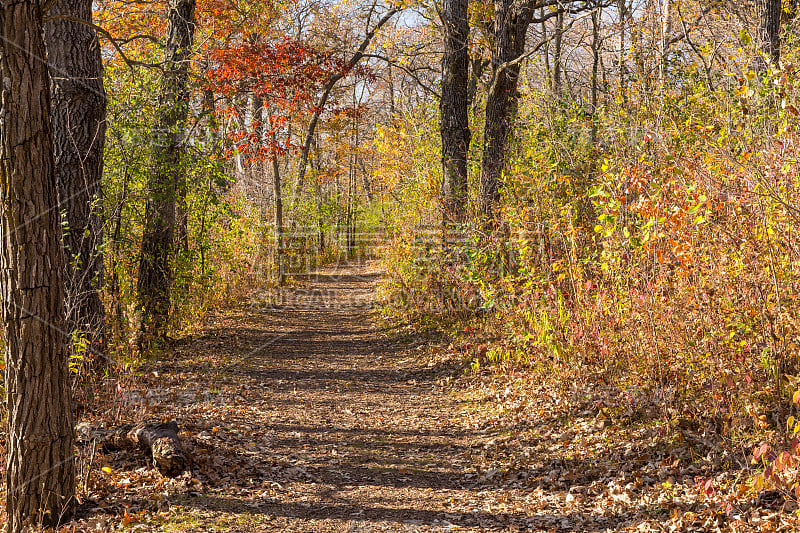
column 160, row 441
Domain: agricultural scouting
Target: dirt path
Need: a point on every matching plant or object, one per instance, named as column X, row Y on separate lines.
column 305, row 417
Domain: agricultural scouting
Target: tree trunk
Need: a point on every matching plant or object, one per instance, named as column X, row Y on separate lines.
column 155, row 266
column 586, row 215
column 666, row 32
column 596, row 17
column 258, row 164
column 118, row 323
column 213, row 134
column 769, row 30
column 277, row 193
column 40, row 466
column 638, row 51
column 456, row 135
column 181, row 213
column 622, row 8
column 160, row 441
column 558, row 86
column 511, row 21
column 548, row 69
column 79, row 129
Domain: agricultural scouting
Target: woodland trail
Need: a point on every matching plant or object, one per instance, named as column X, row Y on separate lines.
column 305, row 417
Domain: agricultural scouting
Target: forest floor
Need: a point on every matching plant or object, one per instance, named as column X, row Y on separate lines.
column 310, row 415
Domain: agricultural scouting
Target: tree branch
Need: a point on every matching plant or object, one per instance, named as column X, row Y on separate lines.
column 686, row 29
column 408, row 71
column 508, row 64
column 323, row 99
column 114, row 42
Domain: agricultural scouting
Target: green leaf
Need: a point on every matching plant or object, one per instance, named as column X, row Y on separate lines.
column 595, row 191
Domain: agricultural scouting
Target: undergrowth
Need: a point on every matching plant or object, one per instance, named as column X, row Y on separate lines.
column 662, row 264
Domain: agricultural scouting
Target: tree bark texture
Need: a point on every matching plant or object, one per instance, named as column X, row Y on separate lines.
column 511, row 21
column 769, row 30
column 79, row 129
column 155, row 266
column 456, row 135
column 40, row 465
column 557, row 60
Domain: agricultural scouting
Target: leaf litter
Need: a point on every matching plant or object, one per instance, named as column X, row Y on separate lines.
column 313, row 418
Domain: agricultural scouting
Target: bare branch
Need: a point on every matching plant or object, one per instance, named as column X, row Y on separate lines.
column 407, row 70
column 326, row 91
column 114, row 42
column 508, row 64
column 686, row 29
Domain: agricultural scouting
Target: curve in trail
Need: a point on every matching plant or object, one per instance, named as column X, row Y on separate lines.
column 303, row 416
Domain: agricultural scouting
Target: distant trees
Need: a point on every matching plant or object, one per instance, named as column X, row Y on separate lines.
column 327, row 89
column 659, row 38
column 271, row 96
column 155, row 264
column 279, row 80
column 40, row 466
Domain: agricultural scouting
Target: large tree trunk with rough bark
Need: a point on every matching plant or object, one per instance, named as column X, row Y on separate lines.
column 40, row 466
column 511, row 21
column 456, row 135
column 79, row 130
column 155, row 266
column 769, row 30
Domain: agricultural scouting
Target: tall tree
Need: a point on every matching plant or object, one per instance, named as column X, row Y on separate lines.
column 769, row 30
column 79, row 129
column 666, row 34
column 280, row 259
column 510, row 26
column 558, row 88
column 155, row 264
column 511, row 21
column 40, row 467
column 622, row 10
column 456, row 135
column 597, row 15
